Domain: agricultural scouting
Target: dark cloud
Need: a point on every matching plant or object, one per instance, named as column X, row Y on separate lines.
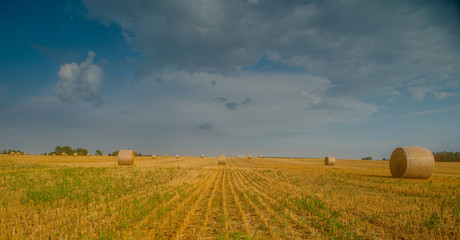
column 246, row 101
column 126, row 112
column 205, row 126
column 231, row 105
column 220, row 100
column 213, row 82
column 355, row 44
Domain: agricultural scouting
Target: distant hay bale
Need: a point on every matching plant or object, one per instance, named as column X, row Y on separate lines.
column 126, row 157
column 249, row 156
column 329, row 161
column 64, row 154
column 154, row 156
column 221, row 160
column 260, row 155
column 54, row 154
column 166, row 155
column 75, row 154
column 411, row 162
column 177, row 156
column 12, row 153
column 18, row 153
column 202, row 156
column 187, row 156
column 88, row 154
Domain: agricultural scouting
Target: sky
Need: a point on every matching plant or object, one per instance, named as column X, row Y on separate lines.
column 344, row 78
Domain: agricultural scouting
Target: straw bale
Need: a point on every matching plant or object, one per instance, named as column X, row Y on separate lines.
column 202, row 156
column 411, row 162
column 154, row 156
column 126, row 157
column 249, row 156
column 260, row 155
column 221, row 160
column 177, row 156
column 329, row 161
column 75, row 154
column 166, row 155
column 64, row 154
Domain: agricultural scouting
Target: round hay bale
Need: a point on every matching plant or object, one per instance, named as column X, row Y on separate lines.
column 154, row 156
column 126, row 157
column 64, row 154
column 329, row 161
column 54, row 154
column 411, row 162
column 260, row 155
column 75, row 154
column 177, row 156
column 12, row 153
column 187, row 156
column 202, row 156
column 166, row 155
column 221, row 160
column 88, row 154
column 249, row 156
column 18, row 153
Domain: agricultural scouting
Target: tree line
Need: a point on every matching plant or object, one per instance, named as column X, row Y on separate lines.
column 447, row 156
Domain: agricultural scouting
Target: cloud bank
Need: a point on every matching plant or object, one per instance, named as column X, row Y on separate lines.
column 80, row 82
column 363, row 47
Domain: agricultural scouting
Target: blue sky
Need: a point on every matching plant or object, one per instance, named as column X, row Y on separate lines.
column 344, row 78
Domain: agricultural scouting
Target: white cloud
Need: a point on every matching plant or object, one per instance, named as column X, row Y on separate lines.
column 80, row 82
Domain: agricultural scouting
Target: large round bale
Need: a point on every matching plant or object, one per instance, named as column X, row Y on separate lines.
column 166, row 155
column 13, row 153
column 54, row 154
column 177, row 156
column 88, row 154
column 221, row 160
column 329, row 161
column 154, row 156
column 126, row 157
column 202, row 156
column 411, row 162
column 64, row 154
column 75, row 154
column 249, row 156
column 260, row 155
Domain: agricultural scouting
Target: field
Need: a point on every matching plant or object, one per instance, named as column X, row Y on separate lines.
column 68, row 197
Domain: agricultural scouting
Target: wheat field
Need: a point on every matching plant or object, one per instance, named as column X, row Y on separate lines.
column 68, row 197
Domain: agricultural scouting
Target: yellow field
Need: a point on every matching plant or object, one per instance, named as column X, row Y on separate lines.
column 67, row 197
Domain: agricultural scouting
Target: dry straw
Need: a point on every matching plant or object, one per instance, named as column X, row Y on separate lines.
column 202, row 156
column 249, row 156
column 154, row 156
column 411, row 162
column 329, row 161
column 221, row 160
column 126, row 157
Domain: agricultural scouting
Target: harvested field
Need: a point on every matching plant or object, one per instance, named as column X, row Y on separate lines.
column 90, row 197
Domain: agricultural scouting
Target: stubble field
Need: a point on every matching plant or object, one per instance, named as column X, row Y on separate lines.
column 68, row 197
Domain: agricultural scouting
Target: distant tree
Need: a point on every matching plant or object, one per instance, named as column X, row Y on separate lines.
column 44, row 154
column 68, row 150
column 366, row 158
column 98, row 152
column 58, row 150
column 114, row 153
column 447, row 156
column 82, row 151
